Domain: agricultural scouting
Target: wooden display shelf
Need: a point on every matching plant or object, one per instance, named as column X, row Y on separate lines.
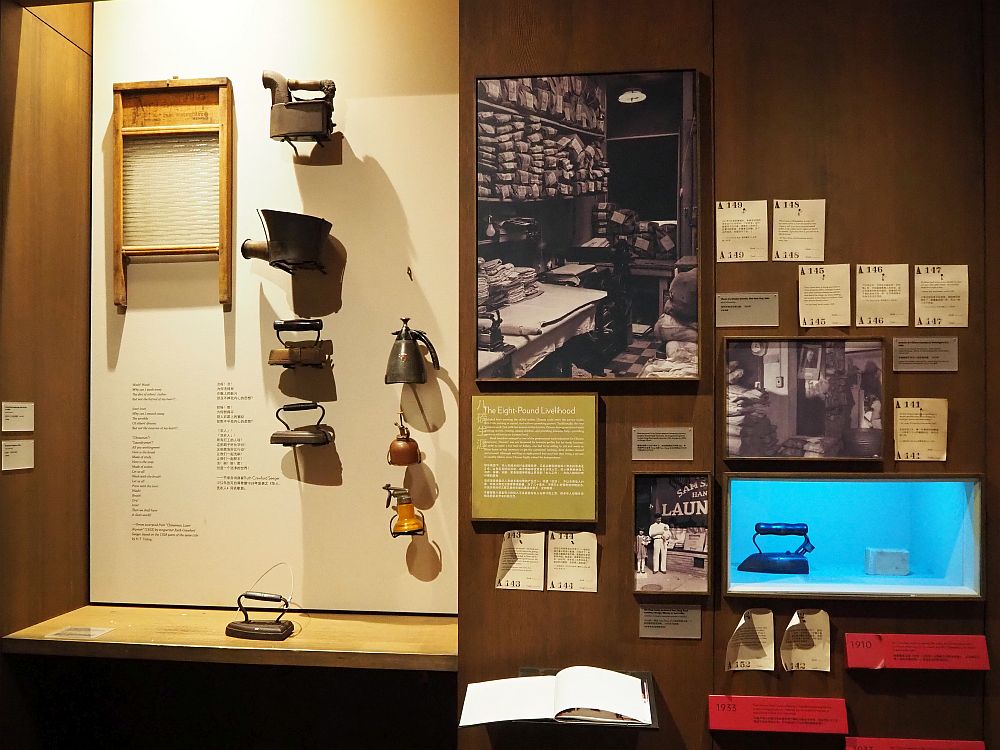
column 362, row 641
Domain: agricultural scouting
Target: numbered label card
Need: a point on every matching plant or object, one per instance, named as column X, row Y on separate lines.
column 572, row 561
column 751, row 646
column 806, row 643
column 825, row 295
column 799, row 230
column 522, row 561
column 941, row 296
column 882, row 295
column 740, row 231
column 921, row 429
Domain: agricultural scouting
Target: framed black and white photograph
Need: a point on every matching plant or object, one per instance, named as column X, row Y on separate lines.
column 804, row 398
column 672, row 539
column 587, row 236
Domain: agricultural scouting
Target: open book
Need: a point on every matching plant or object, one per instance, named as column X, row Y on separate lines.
column 575, row 694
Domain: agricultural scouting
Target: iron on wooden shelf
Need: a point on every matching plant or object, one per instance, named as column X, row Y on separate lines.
column 260, row 630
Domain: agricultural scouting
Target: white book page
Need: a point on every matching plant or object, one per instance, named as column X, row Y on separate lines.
column 600, row 690
column 508, row 700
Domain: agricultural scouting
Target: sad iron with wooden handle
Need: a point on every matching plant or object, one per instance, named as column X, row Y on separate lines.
column 298, row 353
column 779, row 563
column 309, row 435
column 260, row 630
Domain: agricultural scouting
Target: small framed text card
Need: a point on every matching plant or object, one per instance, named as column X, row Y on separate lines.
column 921, row 429
column 740, row 231
column 534, row 457
column 825, row 295
column 799, row 230
column 941, row 296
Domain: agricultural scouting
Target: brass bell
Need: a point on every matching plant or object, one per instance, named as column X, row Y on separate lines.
column 406, row 521
column 406, row 362
column 293, row 243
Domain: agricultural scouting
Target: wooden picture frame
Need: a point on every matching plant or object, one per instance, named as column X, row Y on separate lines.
column 672, row 532
column 849, row 519
column 160, row 130
column 803, row 399
column 573, row 253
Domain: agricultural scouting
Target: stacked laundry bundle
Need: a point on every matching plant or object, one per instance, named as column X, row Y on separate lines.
column 529, row 278
column 499, row 284
column 749, row 431
column 805, row 446
column 575, row 100
column 600, row 217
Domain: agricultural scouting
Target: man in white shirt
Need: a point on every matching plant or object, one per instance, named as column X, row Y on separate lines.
column 660, row 533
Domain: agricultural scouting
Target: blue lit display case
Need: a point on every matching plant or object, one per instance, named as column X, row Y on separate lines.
column 853, row 536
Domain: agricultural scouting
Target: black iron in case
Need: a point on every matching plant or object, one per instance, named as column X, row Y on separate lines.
column 260, row 630
column 787, row 563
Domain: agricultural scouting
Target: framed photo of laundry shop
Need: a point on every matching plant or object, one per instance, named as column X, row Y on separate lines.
column 672, row 533
column 587, row 243
column 819, row 399
column 858, row 536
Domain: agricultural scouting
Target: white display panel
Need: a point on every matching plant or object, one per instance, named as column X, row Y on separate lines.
column 181, row 389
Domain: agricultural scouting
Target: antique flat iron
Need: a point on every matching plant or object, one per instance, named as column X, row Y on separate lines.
column 406, row 521
column 787, row 563
column 490, row 337
column 293, row 243
column 260, row 630
column 406, row 362
column 298, row 353
column 297, row 119
column 312, row 434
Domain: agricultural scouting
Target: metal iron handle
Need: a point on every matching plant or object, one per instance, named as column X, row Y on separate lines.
column 299, row 324
column 261, row 596
column 302, row 406
column 782, row 529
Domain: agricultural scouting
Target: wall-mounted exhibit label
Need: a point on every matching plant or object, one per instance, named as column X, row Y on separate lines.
column 17, row 416
column 78, row 633
column 920, row 426
column 522, row 561
column 572, row 561
column 740, row 231
column 17, row 454
column 883, row 295
column 758, row 713
column 749, row 309
column 806, row 643
column 925, row 354
column 751, row 646
column 534, row 457
column 799, row 230
column 825, row 295
column 941, row 296
column 670, row 621
column 662, row 443
column 891, row 743
column 904, row 651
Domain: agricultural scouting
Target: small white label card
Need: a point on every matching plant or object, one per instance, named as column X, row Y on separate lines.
column 920, row 427
column 941, row 296
column 799, row 230
column 17, row 416
column 806, row 643
column 825, row 295
column 78, row 633
column 740, row 231
column 522, row 561
column 17, row 454
column 925, row 354
column 670, row 621
column 883, row 295
column 572, row 561
column 751, row 646
column 737, row 309
column 663, row 444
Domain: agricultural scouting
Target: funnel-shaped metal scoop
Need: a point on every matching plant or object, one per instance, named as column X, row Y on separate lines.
column 783, row 563
column 294, row 241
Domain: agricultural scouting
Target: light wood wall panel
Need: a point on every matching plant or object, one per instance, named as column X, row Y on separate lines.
column 75, row 21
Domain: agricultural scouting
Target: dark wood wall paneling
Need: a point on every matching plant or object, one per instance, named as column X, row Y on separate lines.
column 848, row 101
